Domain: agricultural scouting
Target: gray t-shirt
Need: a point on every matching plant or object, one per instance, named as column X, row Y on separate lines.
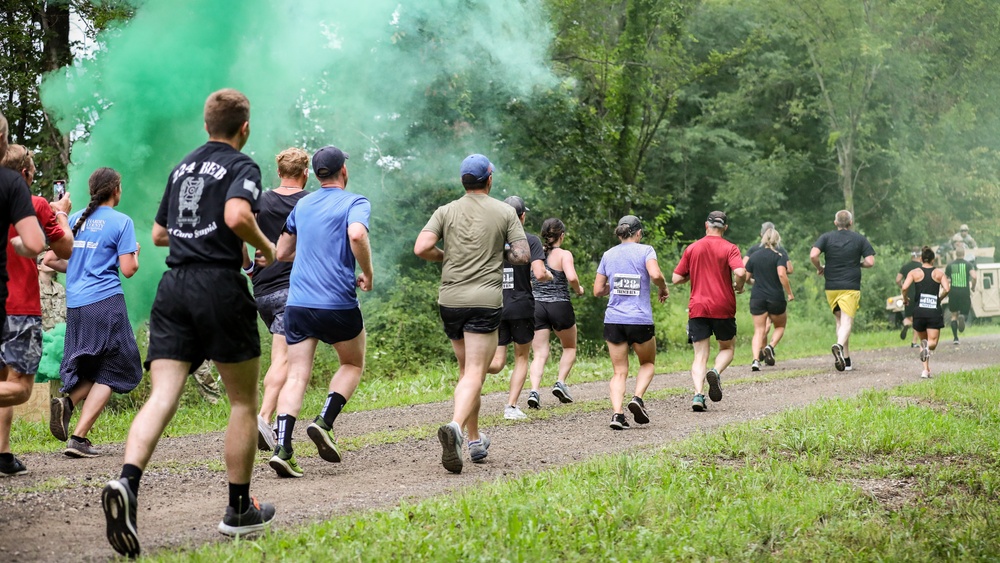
column 625, row 268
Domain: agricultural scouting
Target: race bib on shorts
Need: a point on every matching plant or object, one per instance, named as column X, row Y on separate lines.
column 928, row 301
column 626, row 284
column 508, row 278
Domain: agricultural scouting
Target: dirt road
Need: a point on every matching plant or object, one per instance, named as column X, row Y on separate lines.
column 53, row 513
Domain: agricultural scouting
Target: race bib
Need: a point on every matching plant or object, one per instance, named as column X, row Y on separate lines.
column 508, row 278
column 928, row 301
column 626, row 284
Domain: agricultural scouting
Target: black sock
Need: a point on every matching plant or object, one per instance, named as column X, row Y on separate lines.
column 954, row 329
column 7, row 457
column 239, row 497
column 70, row 401
column 77, row 438
column 334, row 403
column 286, row 423
column 847, row 362
column 133, row 474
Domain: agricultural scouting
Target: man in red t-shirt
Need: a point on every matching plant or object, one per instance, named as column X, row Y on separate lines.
column 21, row 335
column 711, row 264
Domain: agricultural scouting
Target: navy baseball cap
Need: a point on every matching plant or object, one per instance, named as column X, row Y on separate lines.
column 477, row 165
column 328, row 161
column 717, row 219
column 517, row 203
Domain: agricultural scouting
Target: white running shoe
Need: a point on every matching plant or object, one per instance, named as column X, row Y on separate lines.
column 265, row 435
column 514, row 413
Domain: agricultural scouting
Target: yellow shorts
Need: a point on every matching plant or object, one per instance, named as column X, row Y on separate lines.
column 848, row 300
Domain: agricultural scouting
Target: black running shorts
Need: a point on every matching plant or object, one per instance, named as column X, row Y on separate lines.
column 554, row 315
column 769, row 306
column 921, row 324
column 326, row 325
column 630, row 334
column 476, row 320
column 520, row 331
column 701, row 328
column 203, row 313
column 960, row 301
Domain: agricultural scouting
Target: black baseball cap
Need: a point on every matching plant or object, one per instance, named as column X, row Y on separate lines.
column 717, row 219
column 517, row 203
column 633, row 222
column 328, row 161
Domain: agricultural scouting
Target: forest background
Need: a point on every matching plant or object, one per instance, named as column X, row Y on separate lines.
column 771, row 110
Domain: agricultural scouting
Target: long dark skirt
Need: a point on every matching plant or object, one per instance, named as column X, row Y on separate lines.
column 100, row 347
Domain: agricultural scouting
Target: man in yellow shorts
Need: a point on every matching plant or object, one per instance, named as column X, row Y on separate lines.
column 846, row 253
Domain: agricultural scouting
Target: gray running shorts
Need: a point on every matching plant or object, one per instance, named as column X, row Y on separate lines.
column 21, row 343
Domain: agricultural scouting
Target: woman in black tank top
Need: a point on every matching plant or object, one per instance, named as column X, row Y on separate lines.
column 931, row 285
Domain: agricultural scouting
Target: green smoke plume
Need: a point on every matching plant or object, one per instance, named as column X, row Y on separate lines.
column 354, row 74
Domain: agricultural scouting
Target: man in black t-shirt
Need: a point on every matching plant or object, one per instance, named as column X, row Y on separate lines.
column 203, row 310
column 846, row 253
column 962, row 275
column 15, row 209
column 517, row 323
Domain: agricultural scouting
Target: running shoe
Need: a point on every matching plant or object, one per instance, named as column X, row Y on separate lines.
column 514, row 413
column 838, row 357
column 961, row 322
column 913, row 344
column 12, row 467
column 847, row 365
column 284, row 464
column 925, row 352
column 755, row 366
column 955, row 342
column 619, row 422
column 534, row 401
column 266, row 440
column 450, row 436
column 714, row 380
column 60, row 411
column 698, row 404
column 81, row 448
column 322, row 436
column 256, row 518
column 760, row 357
column 925, row 374
column 769, row 355
column 479, row 449
column 638, row 410
column 902, row 332
column 119, row 503
column 561, row 392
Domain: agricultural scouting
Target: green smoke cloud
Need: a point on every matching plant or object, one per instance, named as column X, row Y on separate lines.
column 317, row 72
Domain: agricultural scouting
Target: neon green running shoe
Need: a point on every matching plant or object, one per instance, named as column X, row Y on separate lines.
column 284, row 464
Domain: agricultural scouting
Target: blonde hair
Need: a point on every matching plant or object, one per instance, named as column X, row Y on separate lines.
column 292, row 162
column 770, row 239
column 17, row 158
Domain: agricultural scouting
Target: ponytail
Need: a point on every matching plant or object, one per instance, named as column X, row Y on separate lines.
column 103, row 183
column 552, row 229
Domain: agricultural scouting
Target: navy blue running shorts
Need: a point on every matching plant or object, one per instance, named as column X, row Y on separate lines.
column 327, row 325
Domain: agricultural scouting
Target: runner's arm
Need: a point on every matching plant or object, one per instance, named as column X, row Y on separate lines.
column 541, row 273
column 944, row 281
column 814, row 258
column 741, row 279
column 160, row 235
column 519, row 252
column 54, row 262
column 678, row 279
column 240, row 219
column 129, row 263
column 29, row 240
column 906, row 285
column 361, row 247
column 286, row 247
column 972, row 280
column 570, row 270
column 63, row 246
column 656, row 277
column 601, row 287
column 426, row 247
column 783, row 277
column 868, row 261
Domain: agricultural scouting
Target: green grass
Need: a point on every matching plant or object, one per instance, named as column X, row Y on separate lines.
column 910, row 474
column 434, row 383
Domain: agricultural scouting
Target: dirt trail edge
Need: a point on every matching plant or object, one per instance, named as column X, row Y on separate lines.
column 53, row 513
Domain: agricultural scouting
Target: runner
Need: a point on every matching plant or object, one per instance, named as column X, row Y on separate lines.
column 932, row 285
column 713, row 266
column 962, row 277
column 327, row 235
column 100, row 355
column 553, row 310
column 21, row 340
column 517, row 324
column 478, row 232
column 911, row 264
column 790, row 268
column 270, row 283
column 769, row 296
column 202, row 309
column 625, row 273
column 846, row 253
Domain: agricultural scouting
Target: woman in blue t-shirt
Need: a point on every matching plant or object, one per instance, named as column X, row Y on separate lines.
column 625, row 273
column 769, row 297
column 100, row 355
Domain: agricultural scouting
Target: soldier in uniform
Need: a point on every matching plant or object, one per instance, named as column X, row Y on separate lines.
column 53, row 297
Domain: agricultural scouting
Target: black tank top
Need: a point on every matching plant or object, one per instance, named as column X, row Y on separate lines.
column 927, row 291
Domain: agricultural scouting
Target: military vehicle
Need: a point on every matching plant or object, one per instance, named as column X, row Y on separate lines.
column 985, row 299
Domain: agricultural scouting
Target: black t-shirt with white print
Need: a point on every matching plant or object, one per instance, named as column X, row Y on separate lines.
column 15, row 205
column 194, row 203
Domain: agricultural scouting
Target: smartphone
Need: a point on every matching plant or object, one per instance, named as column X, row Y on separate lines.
column 58, row 189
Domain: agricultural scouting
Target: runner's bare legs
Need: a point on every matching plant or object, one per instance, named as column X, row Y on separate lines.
column 95, row 397
column 167, row 379
column 619, row 364
column 15, row 388
column 520, row 373
column 727, row 349
column 301, row 356
column 275, row 377
column 844, row 324
column 351, row 354
column 646, row 354
column 699, row 367
column 473, row 353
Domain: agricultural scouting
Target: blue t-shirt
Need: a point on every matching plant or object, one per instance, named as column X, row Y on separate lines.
column 323, row 271
column 92, row 272
column 625, row 268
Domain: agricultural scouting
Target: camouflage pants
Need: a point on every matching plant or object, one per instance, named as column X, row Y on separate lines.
column 208, row 384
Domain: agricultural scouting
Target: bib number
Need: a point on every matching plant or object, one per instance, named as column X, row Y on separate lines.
column 508, row 278
column 626, row 284
column 928, row 301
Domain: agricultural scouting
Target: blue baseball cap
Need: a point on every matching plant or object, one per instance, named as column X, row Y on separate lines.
column 477, row 165
column 328, row 161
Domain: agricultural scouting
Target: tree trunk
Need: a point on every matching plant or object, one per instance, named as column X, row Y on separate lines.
column 845, row 154
column 57, row 54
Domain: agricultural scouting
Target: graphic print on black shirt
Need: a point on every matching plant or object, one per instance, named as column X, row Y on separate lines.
column 15, row 204
column 518, row 301
column 194, row 203
column 274, row 210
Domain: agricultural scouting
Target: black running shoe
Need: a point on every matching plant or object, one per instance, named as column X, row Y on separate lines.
column 60, row 411
column 755, row 366
column 714, row 385
column 119, row 511
column 534, row 401
column 838, row 357
column 618, row 421
column 12, row 467
column 961, row 322
column 902, row 332
column 256, row 518
column 769, row 355
column 638, row 410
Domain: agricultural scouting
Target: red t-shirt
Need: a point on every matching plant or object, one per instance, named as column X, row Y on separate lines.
column 23, row 295
column 710, row 263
